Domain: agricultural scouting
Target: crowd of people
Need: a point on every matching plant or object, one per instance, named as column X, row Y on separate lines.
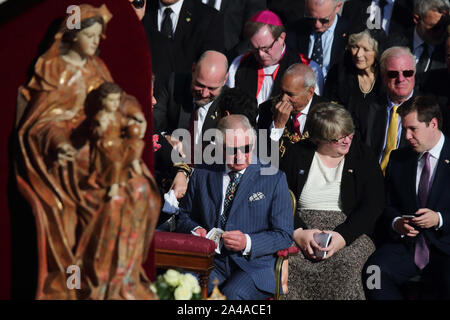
column 349, row 100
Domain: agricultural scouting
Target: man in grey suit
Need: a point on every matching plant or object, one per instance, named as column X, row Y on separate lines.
column 250, row 205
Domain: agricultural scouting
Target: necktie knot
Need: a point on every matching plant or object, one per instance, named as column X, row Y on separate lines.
column 235, row 176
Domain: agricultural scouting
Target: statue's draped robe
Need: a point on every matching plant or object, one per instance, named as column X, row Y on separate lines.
column 107, row 238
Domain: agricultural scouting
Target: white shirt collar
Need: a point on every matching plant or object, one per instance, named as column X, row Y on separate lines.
column 391, row 104
column 176, row 7
column 435, row 152
column 228, row 170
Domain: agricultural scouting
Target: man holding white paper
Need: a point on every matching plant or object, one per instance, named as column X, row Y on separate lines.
column 253, row 209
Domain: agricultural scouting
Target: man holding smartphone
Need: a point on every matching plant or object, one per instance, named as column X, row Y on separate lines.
column 418, row 206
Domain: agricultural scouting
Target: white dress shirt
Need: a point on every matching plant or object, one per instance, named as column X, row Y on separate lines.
column 198, row 125
column 176, row 7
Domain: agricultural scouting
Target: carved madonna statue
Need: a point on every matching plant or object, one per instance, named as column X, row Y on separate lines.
column 96, row 215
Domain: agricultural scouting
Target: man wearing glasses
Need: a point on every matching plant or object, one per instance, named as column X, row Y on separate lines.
column 259, row 71
column 321, row 34
column 252, row 208
column 379, row 124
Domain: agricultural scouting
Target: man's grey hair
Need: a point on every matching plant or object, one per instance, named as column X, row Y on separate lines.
column 321, row 2
column 304, row 71
column 234, row 122
column 395, row 52
column 421, row 7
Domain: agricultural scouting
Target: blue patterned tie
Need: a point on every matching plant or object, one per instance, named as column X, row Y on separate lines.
column 317, row 54
column 422, row 253
column 235, row 177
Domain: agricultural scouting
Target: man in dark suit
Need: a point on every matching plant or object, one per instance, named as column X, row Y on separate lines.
column 190, row 28
column 418, row 208
column 251, row 206
column 235, row 14
column 284, row 116
column 186, row 93
column 379, row 124
column 321, row 35
column 390, row 15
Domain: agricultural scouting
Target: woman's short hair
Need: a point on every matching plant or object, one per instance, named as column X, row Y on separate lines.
column 328, row 121
column 354, row 38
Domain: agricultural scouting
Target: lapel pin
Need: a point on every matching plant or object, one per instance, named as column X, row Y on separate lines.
column 447, row 161
column 301, row 172
column 350, row 170
column 188, row 19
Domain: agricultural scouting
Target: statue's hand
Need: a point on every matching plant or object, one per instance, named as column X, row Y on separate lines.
column 139, row 120
column 65, row 153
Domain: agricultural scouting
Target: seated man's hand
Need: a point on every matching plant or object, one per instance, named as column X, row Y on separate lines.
column 305, row 241
column 234, row 240
column 282, row 113
column 404, row 227
column 201, row 232
column 426, row 218
column 179, row 185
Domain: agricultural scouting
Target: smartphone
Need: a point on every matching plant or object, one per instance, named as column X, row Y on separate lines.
column 323, row 240
column 409, row 216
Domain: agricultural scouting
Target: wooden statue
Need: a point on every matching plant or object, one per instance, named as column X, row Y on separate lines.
column 79, row 165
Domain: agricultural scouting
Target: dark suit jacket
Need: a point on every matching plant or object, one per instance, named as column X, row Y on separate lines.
column 298, row 38
column 371, row 124
column 235, row 14
column 402, row 198
column 267, row 221
column 175, row 105
column 199, row 28
column 362, row 189
column 356, row 12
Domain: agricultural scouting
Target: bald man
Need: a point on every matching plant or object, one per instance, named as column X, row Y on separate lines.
column 285, row 115
column 184, row 94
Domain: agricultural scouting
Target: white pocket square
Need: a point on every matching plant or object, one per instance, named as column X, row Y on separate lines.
column 256, row 196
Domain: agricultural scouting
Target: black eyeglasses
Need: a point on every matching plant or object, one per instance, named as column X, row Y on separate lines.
column 138, row 4
column 393, row 74
column 312, row 20
column 265, row 49
column 232, row 151
column 339, row 140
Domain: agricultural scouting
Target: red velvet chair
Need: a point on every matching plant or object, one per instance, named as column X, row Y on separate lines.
column 186, row 251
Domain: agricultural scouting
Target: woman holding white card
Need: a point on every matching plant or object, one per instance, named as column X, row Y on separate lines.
column 339, row 189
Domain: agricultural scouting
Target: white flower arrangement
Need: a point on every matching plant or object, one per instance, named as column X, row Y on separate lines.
column 174, row 285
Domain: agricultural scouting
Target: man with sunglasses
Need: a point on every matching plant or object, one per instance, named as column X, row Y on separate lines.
column 379, row 123
column 252, row 207
column 259, row 71
column 321, row 34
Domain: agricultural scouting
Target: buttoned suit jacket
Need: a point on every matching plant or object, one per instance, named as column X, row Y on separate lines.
column 175, row 106
column 401, row 195
column 267, row 221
